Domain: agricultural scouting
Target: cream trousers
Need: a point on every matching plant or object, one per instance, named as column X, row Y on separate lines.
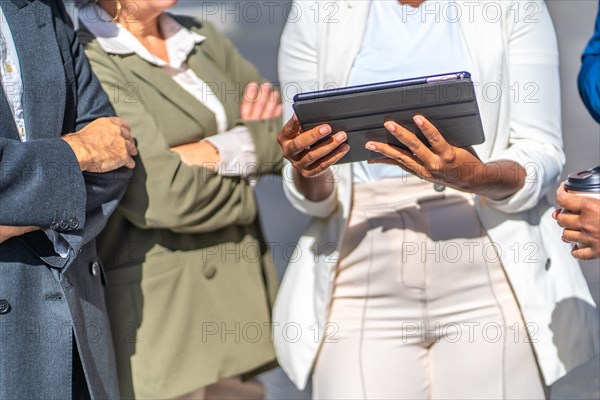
column 422, row 308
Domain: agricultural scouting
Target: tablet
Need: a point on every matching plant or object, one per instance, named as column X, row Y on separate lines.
column 447, row 100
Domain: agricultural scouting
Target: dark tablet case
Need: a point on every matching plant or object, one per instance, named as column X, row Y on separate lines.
column 448, row 101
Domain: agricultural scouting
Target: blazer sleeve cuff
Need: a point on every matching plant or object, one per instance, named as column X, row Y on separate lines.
column 534, row 188
column 267, row 152
column 237, row 151
column 73, row 186
column 44, row 186
column 318, row 209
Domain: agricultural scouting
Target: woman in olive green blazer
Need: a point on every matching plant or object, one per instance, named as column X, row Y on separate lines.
column 189, row 278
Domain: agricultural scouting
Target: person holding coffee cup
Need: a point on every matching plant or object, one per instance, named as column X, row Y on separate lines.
column 580, row 195
column 579, row 198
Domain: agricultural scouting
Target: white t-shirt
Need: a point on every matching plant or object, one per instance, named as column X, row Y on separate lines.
column 403, row 42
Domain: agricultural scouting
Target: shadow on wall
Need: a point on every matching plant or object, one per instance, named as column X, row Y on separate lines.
column 584, row 381
column 569, row 313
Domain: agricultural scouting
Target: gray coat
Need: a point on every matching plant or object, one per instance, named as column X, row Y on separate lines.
column 53, row 309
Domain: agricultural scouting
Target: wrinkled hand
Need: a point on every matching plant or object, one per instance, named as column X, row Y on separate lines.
column 580, row 218
column 104, row 145
column 308, row 159
column 455, row 167
column 200, row 154
column 9, row 232
column 260, row 102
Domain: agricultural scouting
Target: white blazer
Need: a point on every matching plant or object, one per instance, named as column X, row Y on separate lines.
column 515, row 56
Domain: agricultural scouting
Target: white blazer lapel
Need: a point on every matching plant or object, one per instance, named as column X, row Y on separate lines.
column 484, row 39
column 343, row 39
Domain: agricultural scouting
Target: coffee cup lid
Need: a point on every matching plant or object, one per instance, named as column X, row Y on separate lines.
column 584, row 181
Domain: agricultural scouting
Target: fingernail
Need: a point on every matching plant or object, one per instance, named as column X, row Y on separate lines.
column 325, row 130
column 341, row 136
column 370, row 146
column 390, row 127
column 419, row 121
column 345, row 147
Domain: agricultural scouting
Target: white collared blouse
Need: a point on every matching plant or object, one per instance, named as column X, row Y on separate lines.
column 236, row 147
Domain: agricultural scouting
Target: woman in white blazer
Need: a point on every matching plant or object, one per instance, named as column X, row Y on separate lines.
column 374, row 303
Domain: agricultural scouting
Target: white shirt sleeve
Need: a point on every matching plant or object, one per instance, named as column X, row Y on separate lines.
column 237, row 151
column 61, row 246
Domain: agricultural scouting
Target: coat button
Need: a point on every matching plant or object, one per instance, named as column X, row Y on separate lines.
column 95, row 268
column 4, row 307
column 74, row 223
column 439, row 188
column 55, row 226
column 64, row 225
column 209, row 271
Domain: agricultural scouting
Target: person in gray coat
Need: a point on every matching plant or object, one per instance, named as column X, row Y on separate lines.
column 59, row 142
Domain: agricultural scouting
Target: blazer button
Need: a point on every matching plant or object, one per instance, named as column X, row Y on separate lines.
column 64, row 225
column 209, row 271
column 95, row 268
column 74, row 223
column 4, row 307
column 55, row 226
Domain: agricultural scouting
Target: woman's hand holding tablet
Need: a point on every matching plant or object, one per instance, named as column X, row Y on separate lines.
column 310, row 160
column 441, row 163
column 313, row 152
column 357, row 123
column 361, row 111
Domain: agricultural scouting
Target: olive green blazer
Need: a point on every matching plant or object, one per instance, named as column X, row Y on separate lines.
column 190, row 280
